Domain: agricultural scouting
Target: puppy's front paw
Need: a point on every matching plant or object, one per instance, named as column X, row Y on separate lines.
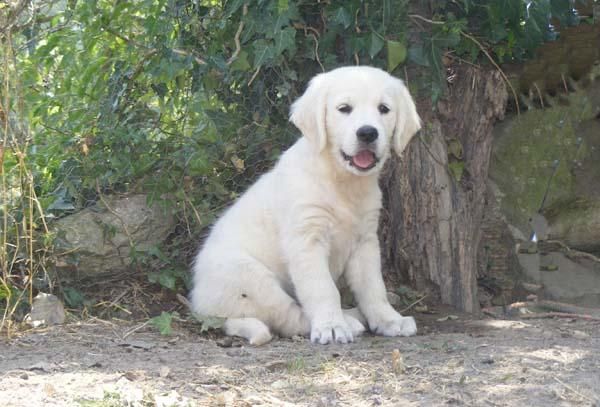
column 331, row 331
column 394, row 325
column 356, row 327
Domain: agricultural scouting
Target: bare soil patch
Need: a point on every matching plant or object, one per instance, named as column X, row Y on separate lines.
column 464, row 361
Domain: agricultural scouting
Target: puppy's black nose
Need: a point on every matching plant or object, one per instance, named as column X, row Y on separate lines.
column 367, row 134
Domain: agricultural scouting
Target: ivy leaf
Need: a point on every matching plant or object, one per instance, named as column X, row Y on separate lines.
column 156, row 252
column 4, row 292
column 456, row 169
column 285, row 40
column 165, row 278
column 342, row 16
column 208, row 322
column 163, row 323
column 61, row 204
column 73, row 297
column 241, row 62
column 232, row 7
column 281, row 21
column 396, row 54
column 416, row 55
column 377, row 44
column 263, row 53
column 282, row 5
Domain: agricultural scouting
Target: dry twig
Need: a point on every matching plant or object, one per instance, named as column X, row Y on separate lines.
column 536, row 315
column 569, row 387
column 413, row 304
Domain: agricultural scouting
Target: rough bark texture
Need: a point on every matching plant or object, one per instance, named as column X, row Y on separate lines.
column 430, row 227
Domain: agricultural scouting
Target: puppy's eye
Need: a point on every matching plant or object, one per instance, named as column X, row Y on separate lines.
column 383, row 109
column 345, row 108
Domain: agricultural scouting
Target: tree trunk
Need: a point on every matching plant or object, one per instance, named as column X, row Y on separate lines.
column 434, row 195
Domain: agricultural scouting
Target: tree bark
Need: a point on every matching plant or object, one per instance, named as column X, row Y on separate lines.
column 430, row 228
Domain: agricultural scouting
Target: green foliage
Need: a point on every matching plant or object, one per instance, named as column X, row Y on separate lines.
column 208, row 323
column 163, row 323
column 188, row 101
column 74, row 298
column 168, row 277
column 109, row 399
column 145, row 94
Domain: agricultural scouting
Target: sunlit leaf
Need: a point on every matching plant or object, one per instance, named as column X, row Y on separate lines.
column 163, row 323
column 396, row 54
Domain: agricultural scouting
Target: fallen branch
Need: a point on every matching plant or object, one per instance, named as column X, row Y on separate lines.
column 573, row 253
column 491, row 313
column 535, row 315
column 184, row 301
column 413, row 304
column 569, row 387
column 554, row 306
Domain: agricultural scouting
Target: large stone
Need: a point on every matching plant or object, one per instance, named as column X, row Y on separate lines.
column 545, row 165
column 565, row 279
column 577, row 224
column 46, row 310
column 101, row 239
column 546, row 169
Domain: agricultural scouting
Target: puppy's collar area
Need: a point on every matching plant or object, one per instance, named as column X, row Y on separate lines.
column 364, row 160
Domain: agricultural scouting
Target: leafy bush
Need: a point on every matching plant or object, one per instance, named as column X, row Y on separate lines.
column 188, row 100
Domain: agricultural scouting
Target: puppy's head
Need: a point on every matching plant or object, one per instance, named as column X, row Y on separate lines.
column 355, row 114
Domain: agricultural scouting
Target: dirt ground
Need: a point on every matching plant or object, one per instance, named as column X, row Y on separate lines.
column 464, row 361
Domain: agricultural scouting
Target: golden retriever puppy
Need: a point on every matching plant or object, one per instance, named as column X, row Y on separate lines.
column 271, row 262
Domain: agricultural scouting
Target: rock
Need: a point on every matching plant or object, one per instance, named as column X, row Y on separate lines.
column 46, row 310
column 103, row 237
column 576, row 223
column 545, row 166
column 394, row 298
column 170, row 399
column 164, row 371
column 580, row 335
column 280, row 384
column 546, row 171
column 575, row 282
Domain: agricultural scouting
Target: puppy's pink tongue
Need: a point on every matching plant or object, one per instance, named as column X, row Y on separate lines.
column 364, row 159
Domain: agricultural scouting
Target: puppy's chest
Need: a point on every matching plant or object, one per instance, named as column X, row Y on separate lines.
column 345, row 238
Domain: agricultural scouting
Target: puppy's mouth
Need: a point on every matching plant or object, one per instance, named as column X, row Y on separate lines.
column 364, row 160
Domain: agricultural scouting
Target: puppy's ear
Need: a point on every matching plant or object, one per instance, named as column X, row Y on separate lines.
column 408, row 121
column 308, row 112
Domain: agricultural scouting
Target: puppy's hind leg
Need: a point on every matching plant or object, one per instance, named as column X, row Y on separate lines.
column 252, row 329
column 267, row 306
column 247, row 293
column 277, row 308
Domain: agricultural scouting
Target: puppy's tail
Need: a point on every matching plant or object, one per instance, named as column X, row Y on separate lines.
column 252, row 329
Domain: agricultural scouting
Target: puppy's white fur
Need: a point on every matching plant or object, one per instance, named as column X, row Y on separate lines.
column 272, row 261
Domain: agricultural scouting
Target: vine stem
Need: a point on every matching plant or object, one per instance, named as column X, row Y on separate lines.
column 487, row 54
column 482, row 49
column 236, row 39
